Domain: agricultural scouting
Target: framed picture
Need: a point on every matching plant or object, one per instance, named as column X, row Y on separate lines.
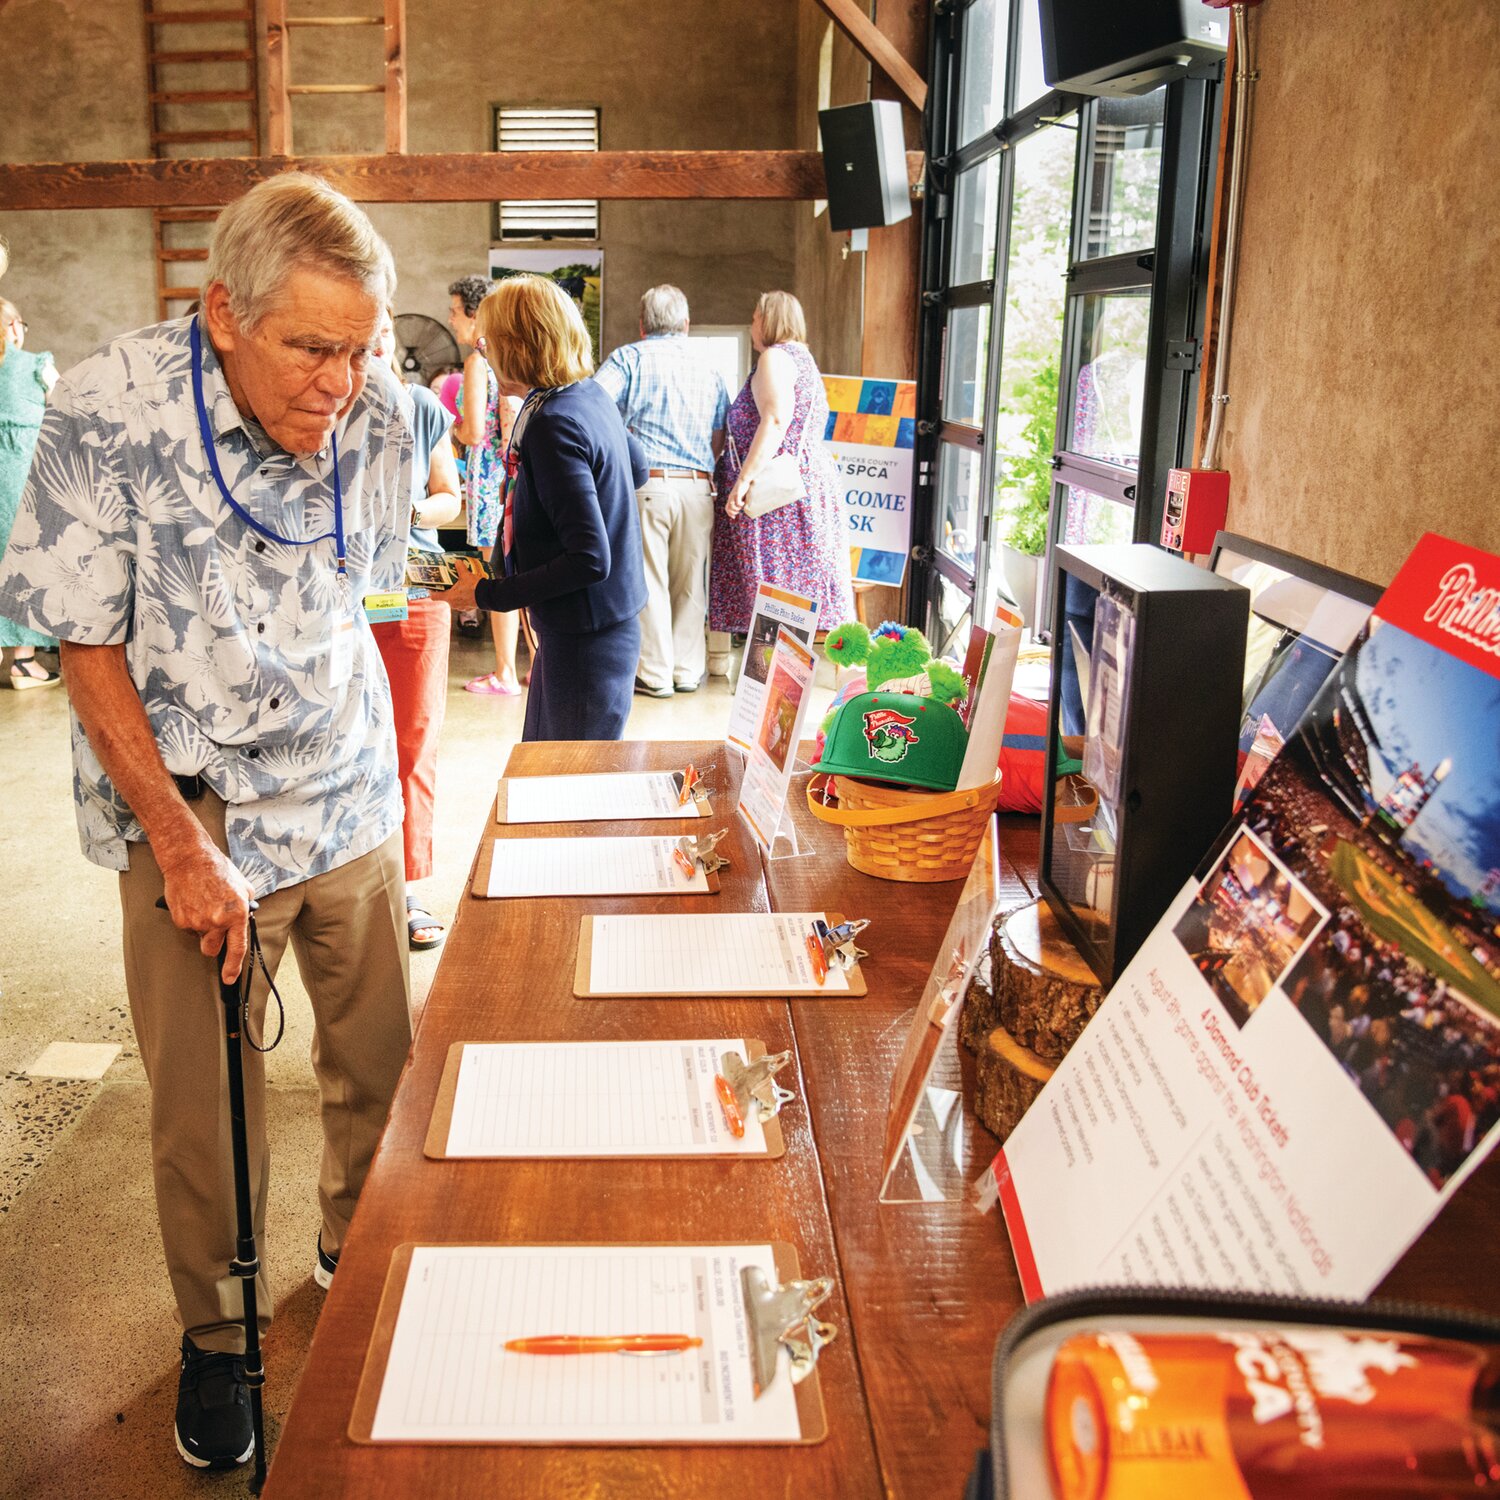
column 1303, row 618
column 578, row 271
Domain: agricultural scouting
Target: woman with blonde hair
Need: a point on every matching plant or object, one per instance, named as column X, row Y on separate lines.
column 571, row 541
column 25, row 379
column 802, row 546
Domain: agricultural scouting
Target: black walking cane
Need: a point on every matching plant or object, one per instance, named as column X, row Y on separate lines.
column 246, row 1263
column 235, row 998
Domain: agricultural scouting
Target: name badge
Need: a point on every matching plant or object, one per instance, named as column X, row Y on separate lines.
column 380, row 608
column 341, row 653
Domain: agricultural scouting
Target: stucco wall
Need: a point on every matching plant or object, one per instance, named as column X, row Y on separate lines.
column 78, row 278
column 1366, row 340
column 674, row 74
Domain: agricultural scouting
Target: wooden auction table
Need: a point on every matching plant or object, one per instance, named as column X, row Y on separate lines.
column 923, row 1289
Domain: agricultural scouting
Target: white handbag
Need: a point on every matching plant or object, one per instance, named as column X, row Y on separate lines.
column 779, row 483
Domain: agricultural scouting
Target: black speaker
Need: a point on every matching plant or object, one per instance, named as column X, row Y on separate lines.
column 1127, row 46
column 864, row 157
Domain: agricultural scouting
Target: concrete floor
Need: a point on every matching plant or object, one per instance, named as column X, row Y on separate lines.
column 88, row 1364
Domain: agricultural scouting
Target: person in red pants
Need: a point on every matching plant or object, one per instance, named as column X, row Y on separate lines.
column 415, row 650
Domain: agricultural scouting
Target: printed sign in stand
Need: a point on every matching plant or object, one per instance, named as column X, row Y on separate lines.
column 1301, row 1065
column 772, row 759
column 774, row 610
column 926, row 1147
column 872, row 433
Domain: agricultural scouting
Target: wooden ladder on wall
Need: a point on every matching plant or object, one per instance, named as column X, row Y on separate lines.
column 179, row 116
column 280, row 88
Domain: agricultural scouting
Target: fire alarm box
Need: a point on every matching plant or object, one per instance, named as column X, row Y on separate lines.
column 1197, row 507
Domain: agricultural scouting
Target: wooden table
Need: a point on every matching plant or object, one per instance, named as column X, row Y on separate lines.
column 507, row 974
column 924, row 1289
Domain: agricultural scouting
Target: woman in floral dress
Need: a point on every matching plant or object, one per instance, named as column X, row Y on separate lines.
column 484, row 422
column 802, row 547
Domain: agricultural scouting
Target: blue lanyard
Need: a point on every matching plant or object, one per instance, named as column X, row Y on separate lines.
column 206, row 433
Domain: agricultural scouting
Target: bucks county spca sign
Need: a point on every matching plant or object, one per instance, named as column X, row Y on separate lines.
column 872, row 430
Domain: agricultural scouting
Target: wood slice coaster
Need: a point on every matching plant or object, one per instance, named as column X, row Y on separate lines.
column 1007, row 1079
column 1044, row 992
column 1022, row 1015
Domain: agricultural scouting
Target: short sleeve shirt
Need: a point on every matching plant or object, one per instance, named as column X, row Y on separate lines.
column 124, row 538
column 430, row 424
column 672, row 399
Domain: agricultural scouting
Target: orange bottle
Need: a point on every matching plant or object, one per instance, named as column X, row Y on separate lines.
column 1272, row 1414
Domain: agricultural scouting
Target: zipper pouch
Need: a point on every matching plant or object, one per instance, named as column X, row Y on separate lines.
column 1127, row 1394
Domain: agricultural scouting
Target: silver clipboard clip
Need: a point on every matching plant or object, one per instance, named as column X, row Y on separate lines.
column 696, row 786
column 839, row 947
column 756, row 1081
column 700, row 849
column 780, row 1317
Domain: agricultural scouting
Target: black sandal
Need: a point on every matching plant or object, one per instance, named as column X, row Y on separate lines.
column 21, row 679
column 419, row 919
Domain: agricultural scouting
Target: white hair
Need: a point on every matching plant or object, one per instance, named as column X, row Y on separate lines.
column 288, row 223
column 664, row 310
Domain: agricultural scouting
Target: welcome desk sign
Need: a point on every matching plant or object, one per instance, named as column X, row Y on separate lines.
column 872, row 431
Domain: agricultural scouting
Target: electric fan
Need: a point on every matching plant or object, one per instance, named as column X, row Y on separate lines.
column 423, row 346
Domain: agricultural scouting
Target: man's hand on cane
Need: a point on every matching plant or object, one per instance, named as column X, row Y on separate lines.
column 207, row 895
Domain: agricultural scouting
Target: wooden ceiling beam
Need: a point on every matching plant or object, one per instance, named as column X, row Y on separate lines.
column 478, row 177
column 878, row 49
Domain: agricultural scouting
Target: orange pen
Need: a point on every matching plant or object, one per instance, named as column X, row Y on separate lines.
column 690, row 779
column 818, row 956
column 684, row 862
column 731, row 1106
column 623, row 1343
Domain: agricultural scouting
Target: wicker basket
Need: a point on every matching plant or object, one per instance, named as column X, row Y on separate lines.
column 900, row 834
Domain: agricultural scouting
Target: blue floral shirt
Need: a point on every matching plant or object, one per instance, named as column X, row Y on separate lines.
column 123, row 537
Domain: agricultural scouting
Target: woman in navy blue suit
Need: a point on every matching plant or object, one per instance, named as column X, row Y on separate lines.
column 571, row 535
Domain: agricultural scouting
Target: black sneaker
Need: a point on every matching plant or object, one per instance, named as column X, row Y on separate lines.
column 647, row 691
column 213, row 1428
column 324, row 1266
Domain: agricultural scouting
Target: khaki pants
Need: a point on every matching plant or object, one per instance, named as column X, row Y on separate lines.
column 677, row 530
column 348, row 929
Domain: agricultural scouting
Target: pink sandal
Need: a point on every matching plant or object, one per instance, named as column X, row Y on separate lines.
column 491, row 685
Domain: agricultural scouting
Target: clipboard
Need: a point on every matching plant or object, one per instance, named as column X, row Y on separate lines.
column 812, row 1418
column 436, row 1145
column 705, row 804
column 479, row 887
column 583, row 977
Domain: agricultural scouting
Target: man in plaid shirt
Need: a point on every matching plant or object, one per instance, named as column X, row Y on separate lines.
column 675, row 403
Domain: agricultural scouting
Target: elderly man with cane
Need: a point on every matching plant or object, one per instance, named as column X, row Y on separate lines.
column 210, row 503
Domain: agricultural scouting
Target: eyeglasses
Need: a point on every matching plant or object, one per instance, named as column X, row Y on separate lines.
column 20, row 323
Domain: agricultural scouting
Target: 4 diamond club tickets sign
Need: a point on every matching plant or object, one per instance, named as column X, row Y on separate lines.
column 1302, row 1063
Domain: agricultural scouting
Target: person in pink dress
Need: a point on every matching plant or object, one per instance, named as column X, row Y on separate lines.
column 802, row 547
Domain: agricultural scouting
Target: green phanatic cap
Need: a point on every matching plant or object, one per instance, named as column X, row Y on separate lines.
column 897, row 737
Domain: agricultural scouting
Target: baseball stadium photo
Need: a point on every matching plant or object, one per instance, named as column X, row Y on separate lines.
column 1385, row 804
column 1247, row 923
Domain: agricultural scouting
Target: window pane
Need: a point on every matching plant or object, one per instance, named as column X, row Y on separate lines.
column 1092, row 518
column 968, row 358
column 958, row 488
column 981, row 94
column 1030, row 84
column 1111, row 383
column 1126, row 174
column 1025, row 425
column 955, row 620
column 974, row 223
